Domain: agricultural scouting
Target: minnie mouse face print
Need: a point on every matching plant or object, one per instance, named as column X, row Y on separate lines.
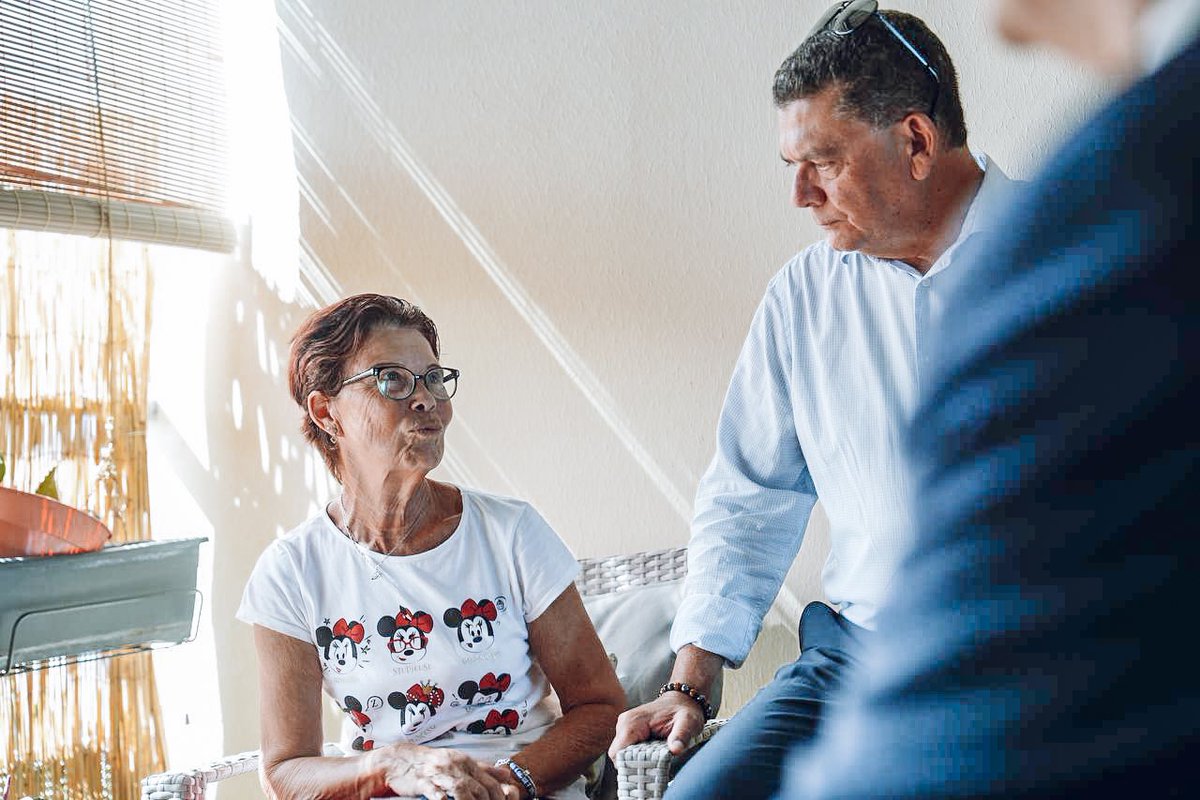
column 342, row 646
column 473, row 622
column 497, row 722
column 418, row 705
column 407, row 633
column 490, row 689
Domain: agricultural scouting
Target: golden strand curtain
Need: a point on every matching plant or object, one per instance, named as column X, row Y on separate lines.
column 75, row 321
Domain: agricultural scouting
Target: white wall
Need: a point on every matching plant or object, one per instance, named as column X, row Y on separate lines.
column 588, row 199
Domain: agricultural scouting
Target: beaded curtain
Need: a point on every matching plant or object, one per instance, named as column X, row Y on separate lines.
column 75, row 320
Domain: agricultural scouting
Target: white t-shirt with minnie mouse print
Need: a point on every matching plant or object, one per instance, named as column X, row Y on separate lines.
column 435, row 650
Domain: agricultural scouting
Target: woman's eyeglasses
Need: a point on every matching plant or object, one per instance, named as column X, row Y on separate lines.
column 398, row 383
column 846, row 17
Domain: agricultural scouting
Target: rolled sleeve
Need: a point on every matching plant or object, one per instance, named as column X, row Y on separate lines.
column 716, row 624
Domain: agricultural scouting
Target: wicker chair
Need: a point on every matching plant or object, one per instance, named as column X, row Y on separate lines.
column 642, row 770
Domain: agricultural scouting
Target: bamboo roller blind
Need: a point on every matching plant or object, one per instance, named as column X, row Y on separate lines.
column 112, row 120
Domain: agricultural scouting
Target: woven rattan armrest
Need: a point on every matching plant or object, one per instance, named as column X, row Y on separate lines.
column 644, row 769
column 191, row 784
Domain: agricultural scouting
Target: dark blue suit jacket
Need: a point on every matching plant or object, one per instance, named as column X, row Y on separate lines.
column 1041, row 637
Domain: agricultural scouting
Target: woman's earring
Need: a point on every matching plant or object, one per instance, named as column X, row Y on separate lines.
column 333, row 436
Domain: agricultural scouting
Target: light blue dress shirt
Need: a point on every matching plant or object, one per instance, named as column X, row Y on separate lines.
column 825, row 385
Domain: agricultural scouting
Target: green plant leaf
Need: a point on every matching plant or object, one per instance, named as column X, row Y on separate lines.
column 2, row 467
column 48, row 488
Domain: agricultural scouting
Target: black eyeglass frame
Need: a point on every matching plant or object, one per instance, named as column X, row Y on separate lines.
column 373, row 372
column 844, row 18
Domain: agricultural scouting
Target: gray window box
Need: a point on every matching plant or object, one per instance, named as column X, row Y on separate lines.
column 120, row 598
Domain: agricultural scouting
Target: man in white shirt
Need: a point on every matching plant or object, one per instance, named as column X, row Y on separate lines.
column 826, row 383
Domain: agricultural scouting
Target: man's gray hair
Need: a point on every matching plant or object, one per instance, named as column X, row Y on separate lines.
column 879, row 79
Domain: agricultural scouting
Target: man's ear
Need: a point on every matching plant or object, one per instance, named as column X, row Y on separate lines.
column 922, row 141
column 320, row 411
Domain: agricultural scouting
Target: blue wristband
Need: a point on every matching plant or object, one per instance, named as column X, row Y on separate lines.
column 522, row 775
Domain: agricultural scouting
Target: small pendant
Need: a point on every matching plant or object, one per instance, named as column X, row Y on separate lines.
column 376, row 575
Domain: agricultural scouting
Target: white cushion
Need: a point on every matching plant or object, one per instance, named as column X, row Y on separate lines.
column 634, row 625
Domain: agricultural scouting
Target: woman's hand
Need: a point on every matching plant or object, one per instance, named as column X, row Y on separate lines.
column 290, row 696
column 437, row 773
column 512, row 786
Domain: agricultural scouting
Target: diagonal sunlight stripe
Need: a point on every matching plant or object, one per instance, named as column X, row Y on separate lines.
column 390, row 140
column 318, row 288
column 589, row 385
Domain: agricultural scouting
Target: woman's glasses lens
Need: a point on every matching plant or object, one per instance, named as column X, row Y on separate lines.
column 397, row 383
column 440, row 383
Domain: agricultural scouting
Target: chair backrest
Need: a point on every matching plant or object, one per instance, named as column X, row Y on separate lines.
column 615, row 573
column 632, row 600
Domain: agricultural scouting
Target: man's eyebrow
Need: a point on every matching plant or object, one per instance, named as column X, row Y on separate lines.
column 811, row 154
column 821, row 151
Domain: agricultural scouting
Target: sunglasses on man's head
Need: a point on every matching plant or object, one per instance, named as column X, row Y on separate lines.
column 844, row 18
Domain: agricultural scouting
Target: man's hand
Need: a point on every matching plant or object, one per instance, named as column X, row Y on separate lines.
column 674, row 717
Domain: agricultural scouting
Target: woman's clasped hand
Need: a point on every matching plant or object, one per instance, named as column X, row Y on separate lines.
column 435, row 773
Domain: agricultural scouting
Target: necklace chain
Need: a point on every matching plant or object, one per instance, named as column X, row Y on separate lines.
column 376, row 566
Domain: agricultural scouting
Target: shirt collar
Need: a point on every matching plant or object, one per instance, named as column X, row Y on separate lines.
column 985, row 209
column 1165, row 28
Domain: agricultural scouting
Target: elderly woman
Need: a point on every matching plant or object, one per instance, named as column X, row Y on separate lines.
column 437, row 617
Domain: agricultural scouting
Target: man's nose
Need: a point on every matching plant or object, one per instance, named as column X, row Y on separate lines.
column 805, row 191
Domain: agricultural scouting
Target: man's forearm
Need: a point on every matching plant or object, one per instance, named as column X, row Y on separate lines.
column 697, row 668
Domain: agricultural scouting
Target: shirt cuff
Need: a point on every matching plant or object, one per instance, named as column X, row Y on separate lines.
column 716, row 624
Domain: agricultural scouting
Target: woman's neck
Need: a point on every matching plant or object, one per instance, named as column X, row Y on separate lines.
column 388, row 519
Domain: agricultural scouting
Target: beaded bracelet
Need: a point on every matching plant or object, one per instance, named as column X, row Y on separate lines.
column 521, row 774
column 691, row 692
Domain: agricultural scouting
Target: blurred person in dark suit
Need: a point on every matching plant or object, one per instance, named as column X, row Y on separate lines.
column 1035, row 641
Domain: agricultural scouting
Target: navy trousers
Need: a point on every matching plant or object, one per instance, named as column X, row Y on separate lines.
column 745, row 758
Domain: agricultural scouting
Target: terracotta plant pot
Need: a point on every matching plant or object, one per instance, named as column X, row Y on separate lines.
column 32, row 525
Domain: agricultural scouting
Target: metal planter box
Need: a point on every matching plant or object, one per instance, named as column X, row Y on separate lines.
column 120, row 597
